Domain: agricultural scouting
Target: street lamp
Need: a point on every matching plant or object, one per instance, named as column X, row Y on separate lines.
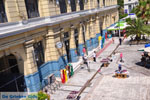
column 119, row 28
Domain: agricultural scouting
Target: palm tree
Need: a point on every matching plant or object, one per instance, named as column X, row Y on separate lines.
column 137, row 28
column 143, row 10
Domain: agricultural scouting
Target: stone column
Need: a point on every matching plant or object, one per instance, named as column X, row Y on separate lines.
column 81, row 42
column 92, row 4
column 54, row 54
column 68, row 7
column 93, row 34
column 32, row 77
column 111, row 19
column 77, row 6
column 97, row 29
column 87, row 35
column 101, row 3
column 74, row 57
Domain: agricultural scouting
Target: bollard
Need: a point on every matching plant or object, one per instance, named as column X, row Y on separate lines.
column 72, row 70
column 65, row 73
column 69, row 72
column 62, row 76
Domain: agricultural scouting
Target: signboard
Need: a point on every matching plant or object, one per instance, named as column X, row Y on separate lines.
column 99, row 38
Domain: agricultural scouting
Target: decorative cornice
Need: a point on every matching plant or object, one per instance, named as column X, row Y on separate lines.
column 14, row 28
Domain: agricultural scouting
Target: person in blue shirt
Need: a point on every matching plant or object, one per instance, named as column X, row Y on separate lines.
column 119, row 67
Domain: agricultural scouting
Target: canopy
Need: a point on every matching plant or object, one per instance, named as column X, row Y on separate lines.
column 147, row 45
column 119, row 25
column 141, row 49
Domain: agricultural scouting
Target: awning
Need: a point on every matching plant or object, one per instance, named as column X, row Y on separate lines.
column 147, row 49
column 119, row 25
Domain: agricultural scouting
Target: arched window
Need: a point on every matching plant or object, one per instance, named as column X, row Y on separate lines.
column 32, row 8
column 3, row 17
column 73, row 5
column 63, row 7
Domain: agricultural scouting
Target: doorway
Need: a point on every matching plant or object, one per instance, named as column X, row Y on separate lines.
column 11, row 80
column 76, row 37
column 67, row 46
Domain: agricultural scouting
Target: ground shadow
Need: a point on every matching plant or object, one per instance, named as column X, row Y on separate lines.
column 146, row 65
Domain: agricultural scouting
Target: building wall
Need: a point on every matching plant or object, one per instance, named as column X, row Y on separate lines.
column 21, row 45
column 127, row 3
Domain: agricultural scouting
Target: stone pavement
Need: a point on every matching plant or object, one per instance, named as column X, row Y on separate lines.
column 82, row 75
column 135, row 87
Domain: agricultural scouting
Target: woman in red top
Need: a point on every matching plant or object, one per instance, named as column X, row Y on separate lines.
column 84, row 50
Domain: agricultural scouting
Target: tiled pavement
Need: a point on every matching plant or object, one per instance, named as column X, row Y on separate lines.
column 82, row 75
column 135, row 87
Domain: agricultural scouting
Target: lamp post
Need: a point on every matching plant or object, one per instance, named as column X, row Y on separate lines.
column 119, row 28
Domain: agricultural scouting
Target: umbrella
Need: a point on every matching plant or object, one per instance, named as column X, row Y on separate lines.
column 147, row 49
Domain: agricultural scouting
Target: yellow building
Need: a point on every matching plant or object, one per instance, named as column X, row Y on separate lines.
column 39, row 37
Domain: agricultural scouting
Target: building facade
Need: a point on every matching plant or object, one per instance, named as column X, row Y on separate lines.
column 39, row 37
column 129, row 5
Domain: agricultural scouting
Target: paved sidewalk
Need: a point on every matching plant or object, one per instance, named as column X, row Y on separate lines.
column 82, row 76
column 135, row 87
column 76, row 65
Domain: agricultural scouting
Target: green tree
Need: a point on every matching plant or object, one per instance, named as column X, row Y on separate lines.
column 143, row 10
column 43, row 96
column 137, row 28
column 121, row 8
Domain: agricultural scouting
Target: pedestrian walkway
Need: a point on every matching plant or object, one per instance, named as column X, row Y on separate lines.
column 76, row 65
column 135, row 87
column 82, row 75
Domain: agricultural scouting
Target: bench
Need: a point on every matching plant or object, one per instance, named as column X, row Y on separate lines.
column 120, row 75
column 52, row 84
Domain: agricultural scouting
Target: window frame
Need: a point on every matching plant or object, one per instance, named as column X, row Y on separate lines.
column 30, row 6
column 3, row 16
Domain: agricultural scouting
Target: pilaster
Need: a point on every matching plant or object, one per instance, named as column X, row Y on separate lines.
column 72, row 40
column 31, row 66
column 74, row 57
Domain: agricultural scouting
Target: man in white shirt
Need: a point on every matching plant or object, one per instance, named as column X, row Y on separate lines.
column 94, row 56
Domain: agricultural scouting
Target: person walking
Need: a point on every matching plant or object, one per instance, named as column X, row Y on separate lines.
column 94, row 56
column 120, row 41
column 121, row 56
column 85, row 61
column 113, row 40
column 119, row 67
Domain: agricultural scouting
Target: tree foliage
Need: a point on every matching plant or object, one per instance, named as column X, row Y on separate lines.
column 143, row 10
column 121, row 8
column 137, row 28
